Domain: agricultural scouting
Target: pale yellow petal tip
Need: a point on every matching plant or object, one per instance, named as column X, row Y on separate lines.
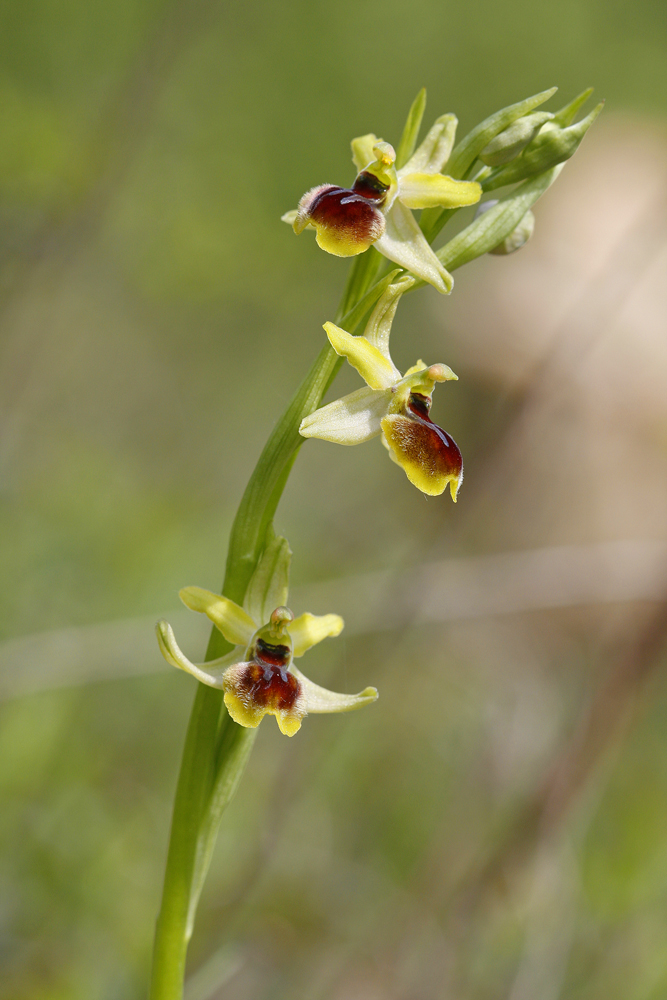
column 197, row 598
column 287, row 724
column 289, row 217
column 333, row 332
column 166, row 641
column 368, row 696
column 335, row 625
column 434, row 487
column 248, row 717
column 455, row 486
column 308, row 630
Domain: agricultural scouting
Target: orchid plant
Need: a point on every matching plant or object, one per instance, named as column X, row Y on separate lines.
column 249, row 669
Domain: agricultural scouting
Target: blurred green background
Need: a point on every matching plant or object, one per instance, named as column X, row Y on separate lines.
column 496, row 826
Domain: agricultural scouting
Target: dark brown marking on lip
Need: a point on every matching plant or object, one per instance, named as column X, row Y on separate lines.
column 268, row 684
column 277, row 656
column 346, row 210
column 425, row 442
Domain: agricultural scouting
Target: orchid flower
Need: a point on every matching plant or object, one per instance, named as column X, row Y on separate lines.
column 258, row 676
column 393, row 405
column 377, row 209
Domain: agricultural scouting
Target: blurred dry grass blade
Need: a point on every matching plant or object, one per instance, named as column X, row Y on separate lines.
column 477, row 587
column 598, row 732
column 121, row 130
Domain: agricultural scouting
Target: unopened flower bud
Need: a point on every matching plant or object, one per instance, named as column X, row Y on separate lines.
column 551, row 146
column 518, row 237
column 508, row 144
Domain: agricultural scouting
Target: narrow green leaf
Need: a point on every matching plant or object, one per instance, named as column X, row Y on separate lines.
column 408, row 143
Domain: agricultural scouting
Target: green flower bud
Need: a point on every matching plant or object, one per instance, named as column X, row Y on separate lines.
column 508, row 144
column 551, row 146
column 496, row 223
column 466, row 152
column 517, row 238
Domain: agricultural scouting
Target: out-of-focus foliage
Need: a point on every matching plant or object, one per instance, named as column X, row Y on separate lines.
column 495, row 826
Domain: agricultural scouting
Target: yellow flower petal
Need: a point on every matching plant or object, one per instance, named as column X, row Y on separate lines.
column 376, row 370
column 421, row 190
column 245, row 715
column 287, row 724
column 233, row 622
column 307, row 630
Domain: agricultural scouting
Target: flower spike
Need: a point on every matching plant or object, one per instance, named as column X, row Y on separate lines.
column 395, row 406
column 258, row 676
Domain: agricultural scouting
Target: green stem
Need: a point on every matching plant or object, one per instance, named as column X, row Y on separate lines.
column 216, row 748
column 195, row 778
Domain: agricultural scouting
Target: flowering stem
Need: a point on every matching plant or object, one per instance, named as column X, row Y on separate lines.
column 216, row 748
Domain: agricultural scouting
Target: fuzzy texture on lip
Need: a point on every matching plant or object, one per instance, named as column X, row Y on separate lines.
column 346, row 222
column 428, row 455
column 265, row 686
